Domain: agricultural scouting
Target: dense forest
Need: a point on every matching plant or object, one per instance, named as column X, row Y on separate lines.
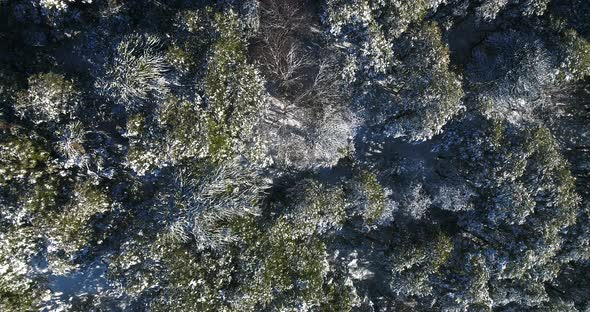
column 295, row 155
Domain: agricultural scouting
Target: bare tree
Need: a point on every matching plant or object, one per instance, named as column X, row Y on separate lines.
column 325, row 87
column 283, row 56
column 285, row 59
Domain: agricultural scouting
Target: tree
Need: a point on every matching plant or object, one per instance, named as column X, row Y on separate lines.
column 573, row 52
column 28, row 177
column 18, row 291
column 283, row 57
column 527, row 200
column 288, row 266
column 233, row 91
column 71, row 145
column 49, row 99
column 202, row 209
column 415, row 202
column 370, row 199
column 412, row 94
column 172, row 133
column 511, row 71
column 577, row 18
column 136, row 72
column 309, row 138
column 490, row 9
column 72, row 229
column 418, row 256
column 308, row 123
column 58, row 4
column 356, row 27
column 454, row 198
column 466, row 284
column 187, row 52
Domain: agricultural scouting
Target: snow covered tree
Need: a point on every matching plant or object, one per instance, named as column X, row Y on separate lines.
column 136, row 72
column 467, row 284
column 49, row 99
column 490, row 9
column 426, row 93
column 415, row 202
column 511, row 70
column 355, row 25
column 233, row 91
column 527, row 199
column 418, row 94
column 370, row 199
column 417, row 257
column 202, row 209
column 573, row 51
column 308, row 123
column 288, row 268
column 454, row 198
column 307, row 138
column 515, row 73
column 71, row 145
column 59, row 5
column 283, row 56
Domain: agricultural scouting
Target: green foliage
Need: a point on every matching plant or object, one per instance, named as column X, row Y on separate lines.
column 416, row 259
column 28, row 173
column 376, row 197
column 527, row 200
column 292, row 270
column 220, row 146
column 29, row 188
column 18, row 290
column 528, row 161
column 577, row 62
column 233, row 90
column 194, row 37
column 50, row 98
column 147, row 164
column 15, row 167
column 184, row 128
column 289, row 262
column 71, row 227
column 369, row 198
column 427, row 93
column 470, row 277
column 193, row 282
